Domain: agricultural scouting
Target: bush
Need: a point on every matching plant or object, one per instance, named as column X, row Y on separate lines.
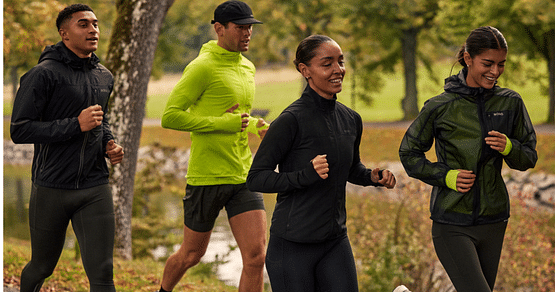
column 390, row 232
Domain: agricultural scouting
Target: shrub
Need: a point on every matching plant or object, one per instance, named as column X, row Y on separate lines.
column 390, row 232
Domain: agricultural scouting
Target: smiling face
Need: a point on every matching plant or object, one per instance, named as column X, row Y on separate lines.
column 326, row 70
column 484, row 69
column 234, row 37
column 80, row 33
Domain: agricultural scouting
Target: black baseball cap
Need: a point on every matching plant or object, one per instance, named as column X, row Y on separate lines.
column 235, row 11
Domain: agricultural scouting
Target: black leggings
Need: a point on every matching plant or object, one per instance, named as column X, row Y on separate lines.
column 470, row 254
column 307, row 267
column 91, row 212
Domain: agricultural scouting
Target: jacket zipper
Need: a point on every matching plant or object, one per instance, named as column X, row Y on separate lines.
column 476, row 187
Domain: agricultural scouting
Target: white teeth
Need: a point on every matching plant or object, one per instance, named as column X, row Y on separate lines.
column 335, row 81
column 490, row 78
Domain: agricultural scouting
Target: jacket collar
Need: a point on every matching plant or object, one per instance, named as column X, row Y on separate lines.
column 61, row 53
column 213, row 47
column 320, row 102
column 457, row 84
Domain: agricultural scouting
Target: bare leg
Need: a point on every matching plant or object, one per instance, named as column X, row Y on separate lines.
column 189, row 254
column 249, row 229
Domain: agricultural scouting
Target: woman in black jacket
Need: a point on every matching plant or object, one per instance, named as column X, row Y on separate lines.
column 476, row 126
column 315, row 143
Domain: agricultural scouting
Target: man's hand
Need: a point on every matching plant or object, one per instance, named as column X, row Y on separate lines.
column 465, row 180
column 320, row 163
column 262, row 132
column 244, row 117
column 90, row 118
column 114, row 152
column 497, row 141
column 388, row 180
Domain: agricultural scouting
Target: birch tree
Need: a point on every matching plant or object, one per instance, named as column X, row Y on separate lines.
column 130, row 58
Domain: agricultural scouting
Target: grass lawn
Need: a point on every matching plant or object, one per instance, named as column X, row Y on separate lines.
column 142, row 275
column 278, row 94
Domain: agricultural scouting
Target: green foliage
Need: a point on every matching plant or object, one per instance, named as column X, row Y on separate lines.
column 392, row 240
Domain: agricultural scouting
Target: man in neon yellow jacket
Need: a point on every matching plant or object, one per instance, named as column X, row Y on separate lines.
column 212, row 101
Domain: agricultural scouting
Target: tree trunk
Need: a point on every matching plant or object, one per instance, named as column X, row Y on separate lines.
column 130, row 57
column 551, row 71
column 410, row 101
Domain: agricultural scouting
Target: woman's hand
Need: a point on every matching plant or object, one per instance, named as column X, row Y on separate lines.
column 388, row 179
column 497, row 141
column 320, row 163
column 465, row 180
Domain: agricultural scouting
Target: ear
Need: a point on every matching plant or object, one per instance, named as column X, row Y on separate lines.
column 219, row 28
column 467, row 59
column 303, row 68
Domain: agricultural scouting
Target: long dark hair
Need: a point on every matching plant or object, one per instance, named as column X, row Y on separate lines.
column 481, row 39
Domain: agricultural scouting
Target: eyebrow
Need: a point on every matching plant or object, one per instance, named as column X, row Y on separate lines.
column 492, row 61
column 87, row 20
column 330, row 58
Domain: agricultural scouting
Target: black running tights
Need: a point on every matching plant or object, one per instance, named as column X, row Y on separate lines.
column 91, row 212
column 470, row 254
column 309, row 267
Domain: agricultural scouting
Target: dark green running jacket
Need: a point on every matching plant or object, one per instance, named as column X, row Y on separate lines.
column 459, row 120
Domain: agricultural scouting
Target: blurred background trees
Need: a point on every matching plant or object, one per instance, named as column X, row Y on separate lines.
column 377, row 36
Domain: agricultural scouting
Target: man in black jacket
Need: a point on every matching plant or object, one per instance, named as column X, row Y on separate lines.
column 60, row 107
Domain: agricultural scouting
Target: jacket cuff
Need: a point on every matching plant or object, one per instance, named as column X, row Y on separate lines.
column 508, row 147
column 311, row 175
column 451, row 179
column 228, row 122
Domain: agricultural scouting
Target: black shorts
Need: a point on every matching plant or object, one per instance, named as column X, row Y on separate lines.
column 202, row 204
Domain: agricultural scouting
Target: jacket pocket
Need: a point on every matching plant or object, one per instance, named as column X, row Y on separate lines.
column 501, row 121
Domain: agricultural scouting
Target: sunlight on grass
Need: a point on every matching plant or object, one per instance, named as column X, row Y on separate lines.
column 276, row 96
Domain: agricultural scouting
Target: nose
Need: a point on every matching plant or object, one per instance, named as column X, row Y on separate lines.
column 93, row 29
column 338, row 68
column 494, row 70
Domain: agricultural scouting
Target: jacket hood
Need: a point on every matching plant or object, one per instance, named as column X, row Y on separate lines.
column 457, row 84
column 59, row 52
column 213, row 48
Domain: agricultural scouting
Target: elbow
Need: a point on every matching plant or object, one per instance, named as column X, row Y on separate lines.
column 165, row 121
column 16, row 135
column 250, row 183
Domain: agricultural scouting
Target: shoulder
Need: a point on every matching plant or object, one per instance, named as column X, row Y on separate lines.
column 441, row 100
column 506, row 92
column 103, row 69
column 348, row 111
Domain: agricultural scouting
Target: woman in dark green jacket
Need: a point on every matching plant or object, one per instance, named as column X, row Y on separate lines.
column 476, row 126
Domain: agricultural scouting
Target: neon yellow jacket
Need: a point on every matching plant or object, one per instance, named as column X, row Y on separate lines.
column 211, row 84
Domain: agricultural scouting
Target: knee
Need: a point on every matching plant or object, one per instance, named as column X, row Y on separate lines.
column 101, row 275
column 38, row 270
column 187, row 259
column 255, row 258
